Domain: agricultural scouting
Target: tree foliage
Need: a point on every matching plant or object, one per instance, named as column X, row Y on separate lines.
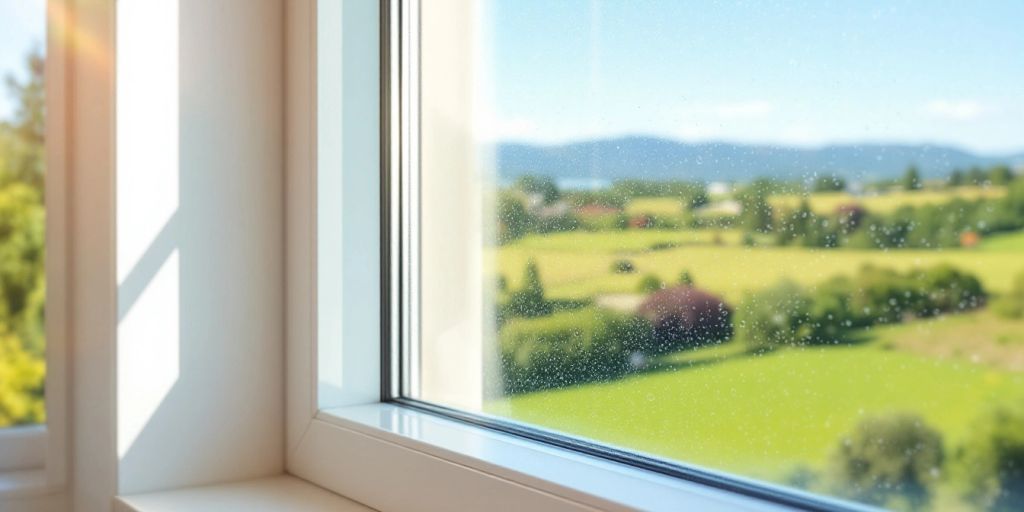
column 889, row 461
column 991, row 460
column 22, row 252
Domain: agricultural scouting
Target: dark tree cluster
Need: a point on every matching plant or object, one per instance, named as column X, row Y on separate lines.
column 686, row 317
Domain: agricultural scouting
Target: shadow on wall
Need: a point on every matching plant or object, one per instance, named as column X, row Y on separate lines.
column 200, row 252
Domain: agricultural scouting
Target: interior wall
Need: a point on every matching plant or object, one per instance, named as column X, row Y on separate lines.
column 200, row 253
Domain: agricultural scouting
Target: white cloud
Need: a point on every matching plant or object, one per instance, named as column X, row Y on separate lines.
column 962, row 110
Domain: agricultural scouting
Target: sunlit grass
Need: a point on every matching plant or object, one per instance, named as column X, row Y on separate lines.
column 764, row 415
column 655, row 206
column 1004, row 242
column 828, row 202
column 578, row 265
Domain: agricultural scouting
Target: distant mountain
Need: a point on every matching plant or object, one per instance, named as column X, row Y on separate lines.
column 661, row 159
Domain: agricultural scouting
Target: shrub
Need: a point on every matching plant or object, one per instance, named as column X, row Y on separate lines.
column 514, row 221
column 685, row 278
column 779, row 315
column 528, row 301
column 650, row 283
column 889, row 459
column 663, row 246
column 991, row 460
column 569, row 348
column 685, row 317
column 623, row 267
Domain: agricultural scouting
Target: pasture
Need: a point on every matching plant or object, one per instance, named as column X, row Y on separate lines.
column 578, row 264
column 828, row 202
column 766, row 415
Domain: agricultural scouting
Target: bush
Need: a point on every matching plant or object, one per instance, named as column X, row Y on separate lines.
column 685, row 278
column 887, row 460
column 785, row 314
column 569, row 348
column 623, row 267
column 685, row 317
column 991, row 461
column 779, row 315
column 650, row 283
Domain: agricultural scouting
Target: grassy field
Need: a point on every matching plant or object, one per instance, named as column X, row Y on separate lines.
column 1005, row 242
column 827, row 202
column 578, row 264
column 765, row 415
column 655, row 206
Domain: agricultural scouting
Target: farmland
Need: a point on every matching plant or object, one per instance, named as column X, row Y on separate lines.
column 576, row 264
column 777, row 414
column 765, row 415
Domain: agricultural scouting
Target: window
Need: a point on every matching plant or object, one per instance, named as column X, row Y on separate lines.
column 780, row 244
column 22, row 214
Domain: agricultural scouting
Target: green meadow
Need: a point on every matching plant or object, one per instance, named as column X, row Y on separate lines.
column 772, row 415
column 766, row 415
column 577, row 264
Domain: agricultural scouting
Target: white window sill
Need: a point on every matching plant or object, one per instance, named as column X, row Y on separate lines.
column 23, row 483
column 443, row 463
column 273, row 494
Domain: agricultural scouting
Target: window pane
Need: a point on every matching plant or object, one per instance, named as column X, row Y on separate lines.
column 22, row 217
column 783, row 240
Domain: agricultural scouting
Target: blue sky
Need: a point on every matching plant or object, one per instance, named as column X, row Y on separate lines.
column 22, row 25
column 793, row 72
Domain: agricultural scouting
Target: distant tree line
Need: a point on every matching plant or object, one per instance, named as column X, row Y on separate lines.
column 909, row 227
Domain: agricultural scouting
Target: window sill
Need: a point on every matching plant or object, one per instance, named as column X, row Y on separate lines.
column 23, row 483
column 274, row 494
column 438, row 463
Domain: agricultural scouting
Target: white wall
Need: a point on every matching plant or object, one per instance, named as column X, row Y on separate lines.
column 200, row 254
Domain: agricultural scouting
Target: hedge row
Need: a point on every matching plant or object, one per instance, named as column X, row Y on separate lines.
column 786, row 314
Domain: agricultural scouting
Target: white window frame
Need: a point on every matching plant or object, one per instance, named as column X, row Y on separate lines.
column 340, row 434
column 33, row 458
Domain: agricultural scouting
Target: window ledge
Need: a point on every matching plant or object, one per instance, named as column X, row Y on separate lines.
column 410, row 438
column 23, row 483
column 282, row 493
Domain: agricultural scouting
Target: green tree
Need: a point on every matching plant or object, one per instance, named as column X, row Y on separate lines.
column 889, row 460
column 830, row 183
column 912, row 179
column 514, row 221
column 21, row 138
column 650, row 283
column 755, row 210
column 543, row 186
column 956, row 178
column 22, row 224
column 1000, row 175
column 685, row 278
column 777, row 316
column 529, row 301
column 991, row 460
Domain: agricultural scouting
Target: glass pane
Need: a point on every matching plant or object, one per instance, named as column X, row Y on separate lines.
column 22, row 217
column 783, row 240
